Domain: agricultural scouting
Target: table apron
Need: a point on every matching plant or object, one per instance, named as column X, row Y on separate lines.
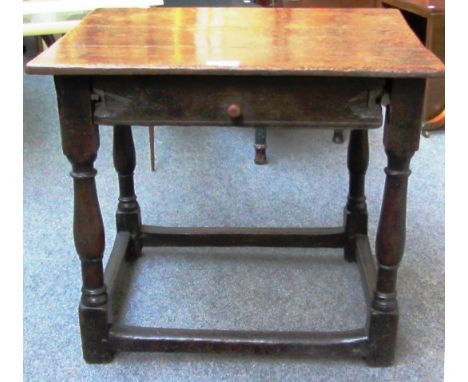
column 243, row 101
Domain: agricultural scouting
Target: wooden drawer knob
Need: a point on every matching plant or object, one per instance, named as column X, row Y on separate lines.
column 234, row 111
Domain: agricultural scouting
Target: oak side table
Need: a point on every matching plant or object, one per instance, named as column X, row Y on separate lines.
column 318, row 68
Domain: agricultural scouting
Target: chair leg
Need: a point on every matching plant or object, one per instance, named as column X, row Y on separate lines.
column 338, row 136
column 260, row 145
column 151, row 130
column 49, row 39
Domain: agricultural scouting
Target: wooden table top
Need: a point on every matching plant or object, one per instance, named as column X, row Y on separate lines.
column 423, row 8
column 266, row 41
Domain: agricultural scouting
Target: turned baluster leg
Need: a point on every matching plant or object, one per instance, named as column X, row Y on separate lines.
column 401, row 140
column 128, row 211
column 260, row 145
column 355, row 213
column 80, row 142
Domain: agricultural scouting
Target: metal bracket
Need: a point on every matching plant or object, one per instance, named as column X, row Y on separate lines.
column 378, row 96
column 97, row 96
column 106, row 104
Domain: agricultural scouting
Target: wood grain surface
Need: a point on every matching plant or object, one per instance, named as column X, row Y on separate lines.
column 267, row 41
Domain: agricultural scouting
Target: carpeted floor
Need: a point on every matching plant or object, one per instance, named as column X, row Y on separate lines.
column 206, row 177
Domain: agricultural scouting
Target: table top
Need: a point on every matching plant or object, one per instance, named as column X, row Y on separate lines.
column 420, row 7
column 236, row 41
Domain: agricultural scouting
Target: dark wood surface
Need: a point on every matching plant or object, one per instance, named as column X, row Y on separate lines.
column 355, row 212
column 128, row 210
column 131, row 338
column 80, row 143
column 331, row 237
column 268, row 41
column 245, row 101
column 401, row 141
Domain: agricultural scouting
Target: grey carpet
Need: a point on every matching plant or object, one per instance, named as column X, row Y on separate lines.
column 206, row 177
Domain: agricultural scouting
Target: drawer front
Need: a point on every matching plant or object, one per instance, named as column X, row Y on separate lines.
column 236, row 101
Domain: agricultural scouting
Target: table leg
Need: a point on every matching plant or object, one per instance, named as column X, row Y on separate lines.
column 80, row 143
column 128, row 215
column 355, row 213
column 401, row 140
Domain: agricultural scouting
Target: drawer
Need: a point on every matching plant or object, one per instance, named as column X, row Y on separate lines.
column 237, row 101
